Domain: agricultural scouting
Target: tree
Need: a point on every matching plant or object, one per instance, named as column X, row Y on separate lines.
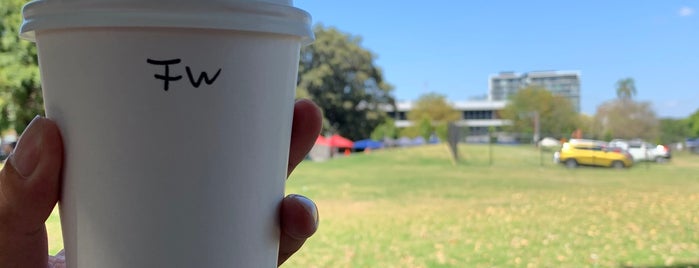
column 556, row 114
column 625, row 88
column 586, row 124
column 20, row 86
column 442, row 131
column 430, row 115
column 425, row 128
column 692, row 123
column 626, row 119
column 340, row 76
column 434, row 107
column 410, row 132
column 387, row 129
column 673, row 130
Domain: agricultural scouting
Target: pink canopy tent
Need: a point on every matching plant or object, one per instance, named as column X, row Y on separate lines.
column 339, row 141
column 335, row 141
column 322, row 141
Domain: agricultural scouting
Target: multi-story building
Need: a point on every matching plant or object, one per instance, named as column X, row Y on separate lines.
column 562, row 83
column 480, row 116
column 477, row 116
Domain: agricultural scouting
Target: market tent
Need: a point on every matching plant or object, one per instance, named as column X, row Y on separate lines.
column 367, row 143
column 339, row 141
column 321, row 150
column 322, row 141
column 404, row 141
column 388, row 142
column 418, row 141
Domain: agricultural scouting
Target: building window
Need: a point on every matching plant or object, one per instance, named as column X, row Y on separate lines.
column 478, row 115
column 399, row 116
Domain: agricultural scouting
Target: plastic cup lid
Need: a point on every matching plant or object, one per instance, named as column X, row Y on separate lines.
column 266, row 16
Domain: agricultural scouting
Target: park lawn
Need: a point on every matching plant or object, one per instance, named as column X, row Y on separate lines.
column 414, row 208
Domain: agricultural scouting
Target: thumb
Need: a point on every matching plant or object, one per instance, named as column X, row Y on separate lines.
column 29, row 189
column 29, row 183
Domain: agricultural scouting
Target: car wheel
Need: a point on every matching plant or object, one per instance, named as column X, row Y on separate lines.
column 618, row 164
column 571, row 163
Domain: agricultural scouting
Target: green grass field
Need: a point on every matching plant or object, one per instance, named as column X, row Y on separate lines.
column 414, row 208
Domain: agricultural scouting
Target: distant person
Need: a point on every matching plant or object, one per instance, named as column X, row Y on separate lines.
column 30, row 183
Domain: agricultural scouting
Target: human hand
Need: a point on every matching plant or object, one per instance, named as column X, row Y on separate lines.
column 299, row 215
column 30, row 183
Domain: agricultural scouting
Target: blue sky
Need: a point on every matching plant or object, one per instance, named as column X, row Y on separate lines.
column 451, row 47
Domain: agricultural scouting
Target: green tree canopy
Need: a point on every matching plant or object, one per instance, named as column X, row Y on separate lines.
column 586, row 124
column 20, row 86
column 626, row 88
column 340, row 76
column 387, row 129
column 434, row 107
column 557, row 117
column 410, row 132
column 673, row 130
column 430, row 113
column 692, row 122
column 627, row 119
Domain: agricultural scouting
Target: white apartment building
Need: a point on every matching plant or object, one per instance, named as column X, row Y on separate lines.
column 478, row 116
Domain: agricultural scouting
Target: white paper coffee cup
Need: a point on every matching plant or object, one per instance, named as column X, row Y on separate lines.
column 176, row 136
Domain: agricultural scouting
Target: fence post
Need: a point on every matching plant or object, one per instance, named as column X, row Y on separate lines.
column 490, row 146
column 453, row 137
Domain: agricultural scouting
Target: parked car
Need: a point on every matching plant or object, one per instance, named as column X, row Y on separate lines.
column 643, row 151
column 593, row 153
column 664, row 152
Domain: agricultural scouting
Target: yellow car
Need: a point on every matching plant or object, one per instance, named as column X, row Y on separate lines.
column 593, row 153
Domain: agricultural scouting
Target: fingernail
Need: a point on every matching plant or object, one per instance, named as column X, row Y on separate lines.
column 25, row 157
column 309, row 206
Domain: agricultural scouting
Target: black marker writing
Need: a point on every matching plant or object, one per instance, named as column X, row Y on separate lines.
column 202, row 76
column 166, row 77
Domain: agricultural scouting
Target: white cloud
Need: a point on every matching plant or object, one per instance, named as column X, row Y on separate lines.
column 686, row 12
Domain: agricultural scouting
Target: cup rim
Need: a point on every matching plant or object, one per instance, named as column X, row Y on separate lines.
column 261, row 17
